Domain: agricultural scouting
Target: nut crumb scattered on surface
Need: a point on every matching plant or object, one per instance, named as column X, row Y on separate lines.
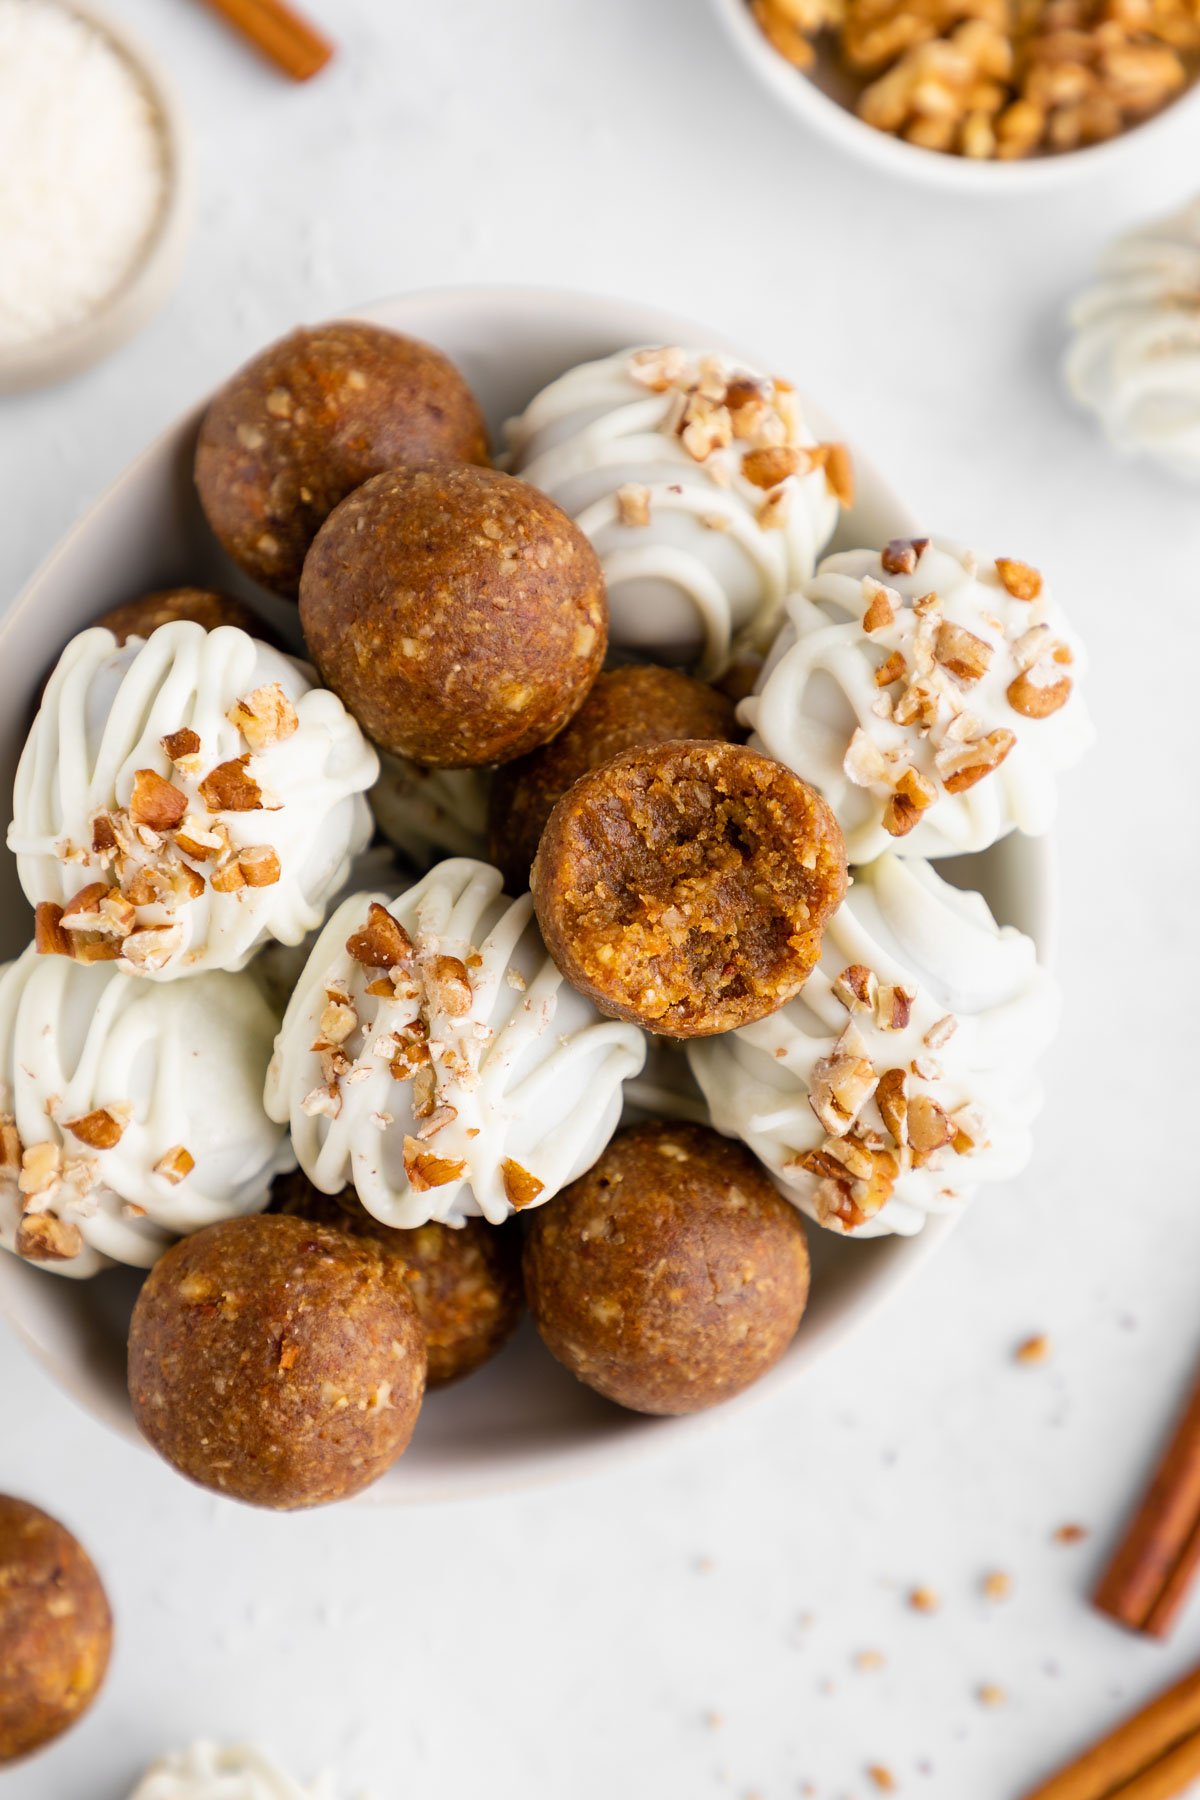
column 1070, row 1534
column 1033, row 1349
column 882, row 1778
column 870, row 1659
column 997, row 1585
column 989, row 1694
column 924, row 1600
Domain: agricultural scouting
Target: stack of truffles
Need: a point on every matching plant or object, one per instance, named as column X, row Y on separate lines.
column 499, row 837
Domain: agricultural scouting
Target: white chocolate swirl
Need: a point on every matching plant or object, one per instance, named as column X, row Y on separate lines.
column 178, row 1065
column 519, row 1076
column 1134, row 358
column 219, row 1772
column 430, row 813
column 104, row 715
column 954, row 994
column 979, row 767
column 704, row 575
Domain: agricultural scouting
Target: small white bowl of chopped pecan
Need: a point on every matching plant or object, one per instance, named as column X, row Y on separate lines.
column 987, row 95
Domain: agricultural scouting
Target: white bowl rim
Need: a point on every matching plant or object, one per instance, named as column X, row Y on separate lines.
column 146, row 284
column 638, row 323
column 807, row 101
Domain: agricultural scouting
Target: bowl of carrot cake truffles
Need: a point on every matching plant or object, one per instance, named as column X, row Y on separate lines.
column 529, row 894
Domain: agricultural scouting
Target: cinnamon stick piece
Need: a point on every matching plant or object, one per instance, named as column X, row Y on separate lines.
column 1153, row 1756
column 1148, row 1580
column 287, row 39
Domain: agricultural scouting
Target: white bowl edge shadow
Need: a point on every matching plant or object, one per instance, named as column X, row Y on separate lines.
column 522, row 1421
column 813, row 99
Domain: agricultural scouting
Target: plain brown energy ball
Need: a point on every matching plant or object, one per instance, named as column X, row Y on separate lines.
column 459, row 614
column 465, row 1280
column 55, row 1629
column 277, row 1361
column 671, row 1275
column 636, row 705
column 685, row 886
column 312, row 417
column 203, row 606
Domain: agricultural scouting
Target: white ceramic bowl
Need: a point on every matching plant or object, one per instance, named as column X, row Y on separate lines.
column 819, row 100
column 523, row 1419
column 151, row 279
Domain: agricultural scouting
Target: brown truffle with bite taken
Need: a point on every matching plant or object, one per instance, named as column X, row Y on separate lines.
column 459, row 614
column 55, row 1629
column 312, row 417
column 203, row 606
column 685, row 887
column 636, row 705
column 465, row 1280
column 672, row 1275
column 277, row 1361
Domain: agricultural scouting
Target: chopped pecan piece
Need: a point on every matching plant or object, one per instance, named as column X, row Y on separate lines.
column 425, row 1170
column 891, row 670
column 839, row 473
column 857, row 986
column 894, row 1007
column 900, row 556
column 633, row 504
column 881, row 611
column 961, row 766
column 965, row 655
column 43, row 1237
column 450, row 986
column 891, row 1097
column 259, row 864
column 175, row 1165
column 228, row 878
column 1035, row 699
column 183, row 746
column 929, row 1126
column 658, row 369
column 82, row 910
column 768, row 466
column 264, row 717
column 520, row 1187
column 231, row 788
column 91, row 947
column 153, row 947
column 104, row 834
column 48, row 935
column 10, row 1146
column 41, row 1168
column 864, row 762
column 1018, row 579
column 839, row 1088
column 155, row 802
column 201, row 840
column 99, row 1130
column 382, row 943
column 900, row 816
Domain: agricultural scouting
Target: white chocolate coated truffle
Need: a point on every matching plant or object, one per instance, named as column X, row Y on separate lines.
column 900, row 1078
column 219, row 1772
column 130, row 1112
column 440, row 1064
column 1134, row 358
column 705, row 494
column 187, row 797
column 430, row 813
column 932, row 697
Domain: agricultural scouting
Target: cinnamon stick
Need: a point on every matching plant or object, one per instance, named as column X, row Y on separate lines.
column 1153, row 1756
column 287, row 39
column 1150, row 1576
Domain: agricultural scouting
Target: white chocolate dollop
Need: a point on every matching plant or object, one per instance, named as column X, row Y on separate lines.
column 219, row 1772
column 931, row 704
column 430, row 813
column 1134, row 358
column 652, row 453
column 915, row 978
column 468, row 1078
column 131, row 1111
column 261, row 844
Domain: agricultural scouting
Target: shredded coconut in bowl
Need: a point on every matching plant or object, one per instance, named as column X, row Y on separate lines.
column 82, row 169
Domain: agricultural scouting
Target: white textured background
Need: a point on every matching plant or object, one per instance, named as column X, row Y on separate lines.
column 688, row 1626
